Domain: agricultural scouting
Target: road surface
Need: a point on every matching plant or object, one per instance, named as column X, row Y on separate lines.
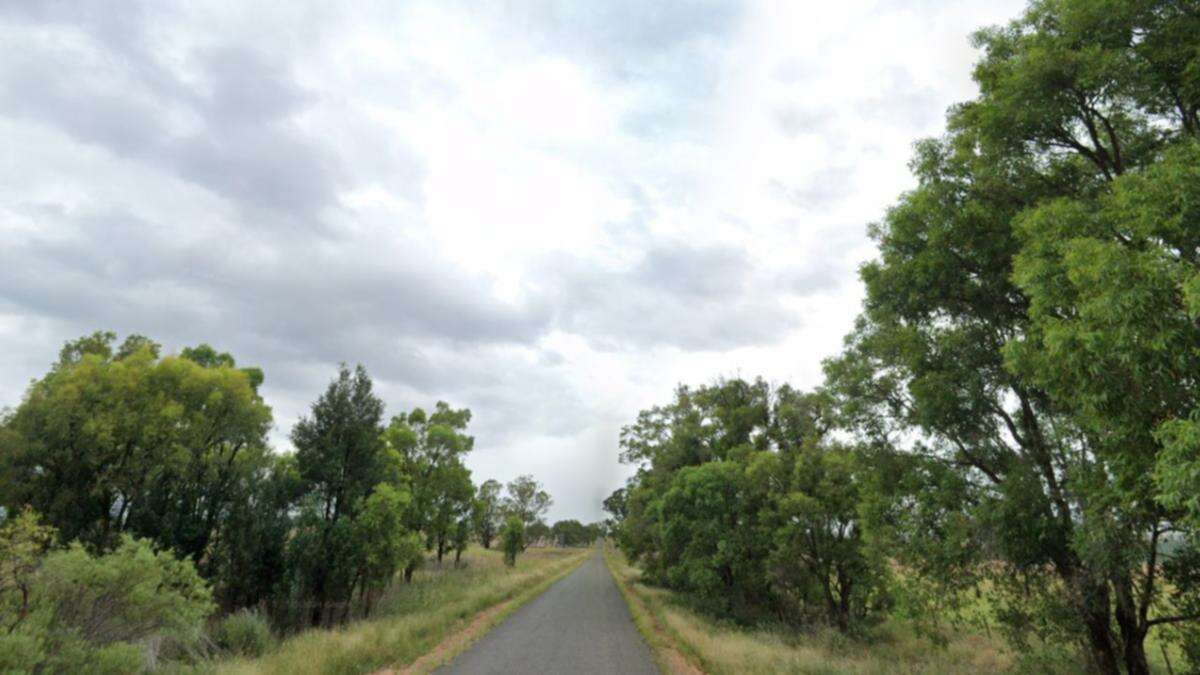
column 580, row 625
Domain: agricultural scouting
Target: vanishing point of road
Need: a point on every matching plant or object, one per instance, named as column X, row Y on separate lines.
column 580, row 625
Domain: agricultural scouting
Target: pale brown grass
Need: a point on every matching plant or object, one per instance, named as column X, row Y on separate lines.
column 720, row 649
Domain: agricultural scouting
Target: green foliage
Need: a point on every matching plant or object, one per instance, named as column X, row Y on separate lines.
column 573, row 533
column 1021, row 369
column 70, row 611
column 24, row 542
column 430, row 448
column 249, row 560
column 244, row 633
column 741, row 504
column 344, row 537
column 125, row 441
column 512, row 536
column 713, row 546
column 527, row 500
column 538, row 532
column 119, row 440
column 486, row 511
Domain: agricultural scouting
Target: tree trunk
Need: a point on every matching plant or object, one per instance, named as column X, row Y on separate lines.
column 1100, row 639
column 1133, row 634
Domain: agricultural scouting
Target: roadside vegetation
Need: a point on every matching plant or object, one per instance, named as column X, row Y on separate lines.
column 418, row 619
column 146, row 481
column 1010, row 440
column 688, row 640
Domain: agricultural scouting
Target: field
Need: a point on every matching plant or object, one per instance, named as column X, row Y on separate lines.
column 415, row 619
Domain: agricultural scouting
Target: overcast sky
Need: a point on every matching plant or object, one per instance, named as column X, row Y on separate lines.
column 549, row 212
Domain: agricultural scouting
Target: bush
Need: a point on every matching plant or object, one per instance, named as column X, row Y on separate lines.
column 245, row 633
column 67, row 610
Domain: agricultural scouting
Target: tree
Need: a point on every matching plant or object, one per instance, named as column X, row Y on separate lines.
column 513, row 537
column 381, row 542
column 113, row 441
column 1022, row 393
column 24, row 541
column 527, row 500
column 461, row 539
column 430, row 448
column 249, row 558
column 572, row 533
column 487, row 512
column 742, row 504
column 615, row 504
column 1114, row 342
column 537, row 532
column 341, row 459
column 820, row 556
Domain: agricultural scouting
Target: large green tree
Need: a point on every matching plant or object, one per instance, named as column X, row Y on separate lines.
column 742, row 503
column 431, row 448
column 116, row 438
column 342, row 463
column 1022, row 342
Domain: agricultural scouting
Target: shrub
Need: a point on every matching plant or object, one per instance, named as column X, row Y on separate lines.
column 245, row 633
column 67, row 610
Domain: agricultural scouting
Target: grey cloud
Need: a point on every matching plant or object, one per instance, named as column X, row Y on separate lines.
column 106, row 266
column 903, row 102
column 678, row 294
column 819, row 192
column 233, row 134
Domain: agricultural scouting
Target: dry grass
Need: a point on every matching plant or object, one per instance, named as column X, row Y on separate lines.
column 668, row 651
column 720, row 649
column 414, row 619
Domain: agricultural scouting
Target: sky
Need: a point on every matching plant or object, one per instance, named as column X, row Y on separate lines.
column 551, row 212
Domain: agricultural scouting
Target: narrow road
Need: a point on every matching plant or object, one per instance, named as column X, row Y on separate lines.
column 580, row 625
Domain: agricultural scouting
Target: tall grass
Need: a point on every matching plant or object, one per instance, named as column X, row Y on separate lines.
column 412, row 619
column 719, row 649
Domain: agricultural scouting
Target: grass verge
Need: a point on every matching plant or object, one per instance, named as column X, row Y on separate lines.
column 705, row 645
column 416, row 619
column 670, row 653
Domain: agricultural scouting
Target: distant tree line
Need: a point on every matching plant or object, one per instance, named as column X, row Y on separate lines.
column 126, row 464
column 1017, row 411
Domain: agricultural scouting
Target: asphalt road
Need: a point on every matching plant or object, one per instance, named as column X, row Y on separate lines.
column 580, row 625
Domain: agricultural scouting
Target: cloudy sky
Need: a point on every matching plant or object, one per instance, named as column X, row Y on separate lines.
column 548, row 211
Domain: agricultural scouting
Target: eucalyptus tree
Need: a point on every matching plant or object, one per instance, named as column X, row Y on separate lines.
column 117, row 438
column 527, row 500
column 430, row 448
column 1025, row 343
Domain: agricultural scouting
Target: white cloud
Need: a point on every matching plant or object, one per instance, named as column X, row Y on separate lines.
column 550, row 212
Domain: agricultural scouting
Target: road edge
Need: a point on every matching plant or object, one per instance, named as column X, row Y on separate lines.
column 481, row 624
column 671, row 653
